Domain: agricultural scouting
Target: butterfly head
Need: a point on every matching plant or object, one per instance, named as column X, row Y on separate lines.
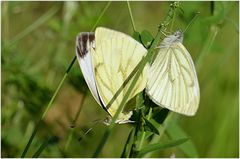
column 177, row 36
column 170, row 39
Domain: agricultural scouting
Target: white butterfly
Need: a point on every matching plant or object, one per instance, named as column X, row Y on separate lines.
column 173, row 82
column 106, row 59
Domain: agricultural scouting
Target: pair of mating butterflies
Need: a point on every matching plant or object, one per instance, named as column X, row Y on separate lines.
column 107, row 57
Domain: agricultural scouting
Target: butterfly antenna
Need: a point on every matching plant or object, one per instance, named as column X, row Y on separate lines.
column 190, row 23
column 80, row 139
column 95, row 122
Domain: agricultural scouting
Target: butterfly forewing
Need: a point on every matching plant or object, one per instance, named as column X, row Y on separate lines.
column 116, row 56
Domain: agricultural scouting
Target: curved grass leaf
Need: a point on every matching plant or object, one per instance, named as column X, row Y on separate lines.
column 188, row 148
column 161, row 146
column 128, row 145
column 34, row 25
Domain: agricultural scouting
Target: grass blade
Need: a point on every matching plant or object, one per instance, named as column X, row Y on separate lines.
column 30, row 140
column 131, row 16
column 41, row 148
column 128, row 145
column 175, row 131
column 101, row 15
column 73, row 125
column 34, row 26
column 161, row 146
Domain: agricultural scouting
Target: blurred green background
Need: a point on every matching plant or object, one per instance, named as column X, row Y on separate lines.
column 38, row 44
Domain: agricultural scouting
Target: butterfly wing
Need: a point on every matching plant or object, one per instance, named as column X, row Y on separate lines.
column 173, row 81
column 116, row 55
column 84, row 49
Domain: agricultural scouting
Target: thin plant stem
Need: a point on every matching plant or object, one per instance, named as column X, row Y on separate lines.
column 46, row 109
column 165, row 124
column 73, row 124
column 131, row 16
column 207, row 46
column 173, row 20
column 144, row 133
column 69, row 139
column 54, row 96
column 41, row 148
column 5, row 20
column 30, row 139
column 58, row 88
column 101, row 15
column 79, row 110
column 129, row 144
column 34, row 25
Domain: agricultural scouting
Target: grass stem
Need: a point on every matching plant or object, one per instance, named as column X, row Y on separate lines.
column 101, row 15
column 34, row 25
column 73, row 124
column 144, row 133
column 131, row 16
column 207, row 46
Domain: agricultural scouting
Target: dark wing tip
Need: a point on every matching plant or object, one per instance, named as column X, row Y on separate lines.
column 82, row 41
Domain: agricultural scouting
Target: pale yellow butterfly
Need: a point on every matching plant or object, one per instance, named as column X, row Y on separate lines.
column 173, row 82
column 106, row 59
